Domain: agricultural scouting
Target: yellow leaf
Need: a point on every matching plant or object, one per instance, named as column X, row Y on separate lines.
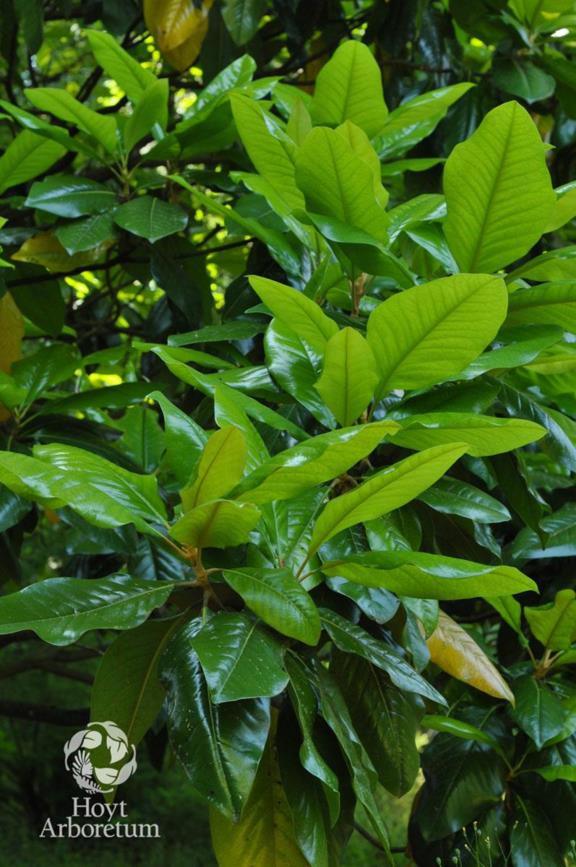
column 11, row 332
column 45, row 249
column 179, row 28
column 264, row 836
column 454, row 651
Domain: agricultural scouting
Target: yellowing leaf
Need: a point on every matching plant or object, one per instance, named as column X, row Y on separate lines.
column 45, row 249
column 454, row 651
column 179, row 28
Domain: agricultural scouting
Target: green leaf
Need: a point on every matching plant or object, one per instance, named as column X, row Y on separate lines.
column 60, row 610
column 416, row 118
column 126, row 688
column 242, row 18
column 295, row 366
column 264, row 836
column 86, row 234
column 485, row 434
column 295, row 310
column 522, row 78
column 185, row 440
column 538, row 712
column 551, row 773
column 459, row 729
column 239, row 658
column 423, row 335
column 364, row 778
column 305, row 704
column 219, row 746
column 463, row 779
column 429, row 576
column 279, row 600
column 150, row 114
column 557, row 264
column 26, row 157
column 107, row 499
column 339, row 184
column 554, row 625
column 532, row 838
column 317, row 460
column 349, row 375
column 136, row 492
column 549, row 304
column 350, row 638
column 349, row 87
column 62, row 105
column 385, row 720
column 271, row 150
column 498, row 191
column 453, row 497
column 386, row 490
column 217, row 524
column 220, row 468
column 69, row 196
column 126, row 72
column 150, row 218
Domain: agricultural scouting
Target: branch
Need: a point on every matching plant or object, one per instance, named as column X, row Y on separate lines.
column 44, row 713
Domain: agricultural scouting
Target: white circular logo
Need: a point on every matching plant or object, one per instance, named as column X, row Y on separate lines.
column 100, row 757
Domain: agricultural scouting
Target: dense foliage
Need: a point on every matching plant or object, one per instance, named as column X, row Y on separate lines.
column 288, row 369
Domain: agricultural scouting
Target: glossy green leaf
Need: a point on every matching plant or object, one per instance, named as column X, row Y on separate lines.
column 532, row 839
column 81, row 235
column 453, row 497
column 271, row 150
column 522, row 78
column 149, row 115
column 364, row 778
column 127, row 689
column 317, row 460
column 216, row 524
column 551, row 773
column 339, row 184
column 126, row 72
column 423, row 335
column 220, row 747
column 498, row 191
column 554, row 625
column 349, row 375
column 416, row 118
column 430, row 576
column 386, row 490
column 305, row 703
column 459, row 729
column 278, row 598
column 350, row 638
column 349, row 87
column 239, row 658
column 242, row 18
column 485, row 434
column 185, row 439
column 385, row 721
column 60, row 610
column 557, row 264
column 549, row 304
column 108, row 499
column 297, row 311
column 219, row 470
column 64, row 106
column 27, row 156
column 70, row 196
column 150, row 218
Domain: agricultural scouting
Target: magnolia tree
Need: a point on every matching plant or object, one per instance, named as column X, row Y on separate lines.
column 295, row 429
